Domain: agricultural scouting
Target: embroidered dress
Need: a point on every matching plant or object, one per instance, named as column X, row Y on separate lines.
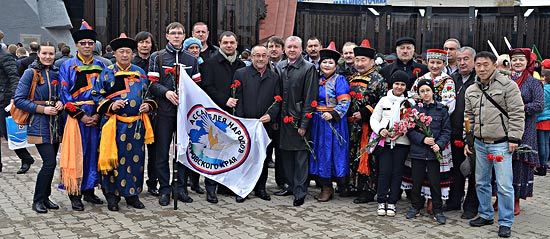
column 331, row 148
column 444, row 94
column 124, row 177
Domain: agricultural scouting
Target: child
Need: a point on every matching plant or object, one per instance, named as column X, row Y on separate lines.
column 423, row 151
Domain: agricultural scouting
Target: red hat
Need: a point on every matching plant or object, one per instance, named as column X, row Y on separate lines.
column 546, row 63
column 436, row 54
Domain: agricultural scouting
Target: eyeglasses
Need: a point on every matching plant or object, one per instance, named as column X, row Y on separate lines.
column 84, row 43
column 424, row 91
column 175, row 33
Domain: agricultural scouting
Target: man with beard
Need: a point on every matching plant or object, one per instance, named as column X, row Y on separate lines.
column 346, row 68
column 313, row 47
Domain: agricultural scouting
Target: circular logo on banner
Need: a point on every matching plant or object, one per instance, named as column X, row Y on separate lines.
column 217, row 142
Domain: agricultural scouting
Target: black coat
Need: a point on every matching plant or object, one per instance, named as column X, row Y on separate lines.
column 388, row 70
column 142, row 63
column 440, row 128
column 209, row 52
column 217, row 77
column 299, row 88
column 26, row 62
column 9, row 78
column 457, row 117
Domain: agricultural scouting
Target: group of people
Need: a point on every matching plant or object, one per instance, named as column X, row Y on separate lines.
column 375, row 128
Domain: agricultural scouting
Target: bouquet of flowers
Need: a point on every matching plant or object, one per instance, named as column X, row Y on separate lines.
column 422, row 121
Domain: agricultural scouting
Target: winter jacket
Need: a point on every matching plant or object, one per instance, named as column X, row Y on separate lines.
column 440, row 128
column 457, row 117
column 40, row 124
column 256, row 93
column 217, row 78
column 209, row 52
column 383, row 118
column 26, row 62
column 545, row 114
column 488, row 122
column 8, row 78
column 300, row 87
column 168, row 82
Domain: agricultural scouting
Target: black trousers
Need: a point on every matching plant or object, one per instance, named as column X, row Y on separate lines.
column 164, row 132
column 152, row 179
column 420, row 169
column 471, row 203
column 390, row 172
column 193, row 178
column 274, row 147
column 296, row 168
column 260, row 185
column 459, row 181
column 22, row 153
column 43, row 187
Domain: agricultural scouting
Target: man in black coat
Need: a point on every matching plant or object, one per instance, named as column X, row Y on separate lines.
column 217, row 74
column 256, row 99
column 463, row 78
column 299, row 80
column 405, row 47
column 25, row 63
column 8, row 83
column 200, row 31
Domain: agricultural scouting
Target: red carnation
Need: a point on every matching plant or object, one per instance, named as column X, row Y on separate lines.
column 491, row 157
column 314, row 103
column 359, row 96
column 54, row 82
column 288, row 119
column 170, row 70
column 233, row 86
column 499, row 158
column 237, row 83
column 459, row 143
column 278, row 98
column 64, row 83
column 449, row 88
column 309, row 115
column 153, row 79
column 416, row 71
column 70, row 107
column 352, row 93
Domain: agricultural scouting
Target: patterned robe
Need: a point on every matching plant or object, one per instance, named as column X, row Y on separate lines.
column 77, row 80
column 331, row 147
column 126, row 179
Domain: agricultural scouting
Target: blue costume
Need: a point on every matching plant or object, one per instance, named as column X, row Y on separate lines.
column 125, row 176
column 331, row 149
column 77, row 80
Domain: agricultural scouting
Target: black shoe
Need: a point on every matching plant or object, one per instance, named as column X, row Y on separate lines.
column 164, row 199
column 93, row 199
column 50, row 204
column 39, row 207
column 135, row 202
column 451, row 207
column 153, row 191
column 284, row 192
column 479, row 221
column 412, row 213
column 24, row 168
column 1, row 165
column 197, row 189
column 263, row 195
column 113, row 207
column 440, row 218
column 361, row 200
column 76, row 204
column 184, row 197
column 468, row 215
column 240, row 199
column 504, row 231
column 541, row 171
column 211, row 197
column 298, row 202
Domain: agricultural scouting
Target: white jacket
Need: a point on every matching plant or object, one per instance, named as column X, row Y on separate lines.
column 384, row 117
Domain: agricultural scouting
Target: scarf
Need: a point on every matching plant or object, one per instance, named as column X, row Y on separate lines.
column 528, row 69
column 171, row 47
column 395, row 109
column 231, row 59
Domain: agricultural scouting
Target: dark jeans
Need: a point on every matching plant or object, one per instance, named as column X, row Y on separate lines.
column 164, row 130
column 152, row 179
column 390, row 172
column 296, row 167
column 22, row 153
column 43, row 187
column 420, row 169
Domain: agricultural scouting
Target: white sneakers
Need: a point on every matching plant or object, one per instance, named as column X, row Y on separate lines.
column 390, row 210
column 384, row 210
column 381, row 209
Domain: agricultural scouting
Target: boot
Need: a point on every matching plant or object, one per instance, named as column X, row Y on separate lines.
column 429, row 207
column 316, row 197
column 326, row 194
column 495, row 205
column 516, row 206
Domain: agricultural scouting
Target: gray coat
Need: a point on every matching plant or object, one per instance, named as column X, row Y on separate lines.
column 299, row 89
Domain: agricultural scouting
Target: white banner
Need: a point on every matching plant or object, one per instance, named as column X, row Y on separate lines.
column 215, row 144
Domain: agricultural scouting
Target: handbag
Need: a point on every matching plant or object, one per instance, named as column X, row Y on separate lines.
column 20, row 116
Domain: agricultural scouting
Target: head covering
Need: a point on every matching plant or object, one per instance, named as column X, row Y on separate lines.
column 545, row 63
column 400, row 76
column 85, row 32
column 365, row 43
column 329, row 54
column 364, row 51
column 190, row 41
column 427, row 82
column 530, row 63
column 436, row 54
column 390, row 58
column 123, row 41
column 403, row 40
